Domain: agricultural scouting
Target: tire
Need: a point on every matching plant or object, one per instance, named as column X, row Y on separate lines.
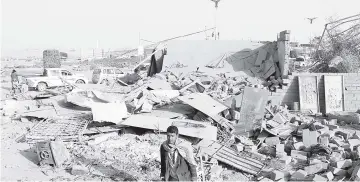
column 80, row 82
column 41, row 86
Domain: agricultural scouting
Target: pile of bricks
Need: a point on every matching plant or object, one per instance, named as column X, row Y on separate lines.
column 309, row 150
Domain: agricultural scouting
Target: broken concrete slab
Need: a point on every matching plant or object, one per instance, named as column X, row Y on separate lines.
column 110, row 112
column 342, row 164
column 203, row 103
column 309, row 137
column 60, row 152
column 319, row 178
column 159, row 84
column 260, row 57
column 79, row 170
column 101, row 138
column 348, row 117
column 272, row 141
column 186, row 127
column 316, row 168
column 299, row 175
column 299, row 154
column 278, row 175
column 252, row 107
column 338, row 171
column 329, row 176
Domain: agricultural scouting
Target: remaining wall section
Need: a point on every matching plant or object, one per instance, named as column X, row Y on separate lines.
column 290, row 93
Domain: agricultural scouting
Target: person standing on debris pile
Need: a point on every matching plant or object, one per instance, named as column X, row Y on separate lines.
column 177, row 158
column 14, row 80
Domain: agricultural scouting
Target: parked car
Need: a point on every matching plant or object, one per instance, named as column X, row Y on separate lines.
column 104, row 74
column 52, row 77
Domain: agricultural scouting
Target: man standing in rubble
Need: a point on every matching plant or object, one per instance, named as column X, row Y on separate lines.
column 177, row 158
column 14, row 80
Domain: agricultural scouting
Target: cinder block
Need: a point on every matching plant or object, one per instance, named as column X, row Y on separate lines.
column 299, row 154
column 309, row 137
column 329, row 176
column 316, row 168
column 299, row 145
column 285, row 159
column 299, row 175
column 277, row 175
column 271, row 141
column 337, row 171
column 342, row 164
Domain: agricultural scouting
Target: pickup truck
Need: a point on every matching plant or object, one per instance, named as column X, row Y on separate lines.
column 52, row 77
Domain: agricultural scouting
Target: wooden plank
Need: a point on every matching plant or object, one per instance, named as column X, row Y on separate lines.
column 203, row 103
column 186, row 127
column 334, row 100
column 308, row 93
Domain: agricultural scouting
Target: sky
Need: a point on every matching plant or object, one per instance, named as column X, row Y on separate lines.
column 31, row 24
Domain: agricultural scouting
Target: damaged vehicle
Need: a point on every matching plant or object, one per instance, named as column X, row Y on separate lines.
column 52, row 77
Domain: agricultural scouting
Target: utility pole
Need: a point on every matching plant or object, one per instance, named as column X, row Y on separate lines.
column 216, row 6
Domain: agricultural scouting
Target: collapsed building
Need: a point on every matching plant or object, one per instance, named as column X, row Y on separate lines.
column 239, row 109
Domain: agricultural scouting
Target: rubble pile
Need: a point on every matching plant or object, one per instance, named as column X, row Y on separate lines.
column 229, row 121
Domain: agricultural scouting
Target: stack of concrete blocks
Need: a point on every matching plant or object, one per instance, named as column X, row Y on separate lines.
column 283, row 45
column 51, row 59
column 289, row 94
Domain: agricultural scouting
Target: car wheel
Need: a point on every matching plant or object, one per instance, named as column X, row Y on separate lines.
column 80, row 82
column 41, row 86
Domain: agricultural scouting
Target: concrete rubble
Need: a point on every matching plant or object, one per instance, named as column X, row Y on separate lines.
column 229, row 120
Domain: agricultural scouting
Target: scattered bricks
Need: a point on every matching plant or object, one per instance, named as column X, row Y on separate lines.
column 309, row 137
column 355, row 175
column 299, row 154
column 342, row 164
column 323, row 129
column 336, row 156
column 329, row 176
column 250, row 148
column 268, row 116
column 347, row 147
column 338, row 172
column 79, row 170
column 315, row 161
column 333, row 146
column 265, row 179
column 333, row 127
column 280, row 150
column 356, row 135
column 332, row 121
column 272, row 141
column 298, row 175
column 299, row 145
column 316, row 168
column 215, row 172
column 239, row 147
column 324, row 140
column 257, row 155
column 354, row 143
column 277, row 175
column 285, row 159
column 336, row 141
column 319, row 178
column 343, row 134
